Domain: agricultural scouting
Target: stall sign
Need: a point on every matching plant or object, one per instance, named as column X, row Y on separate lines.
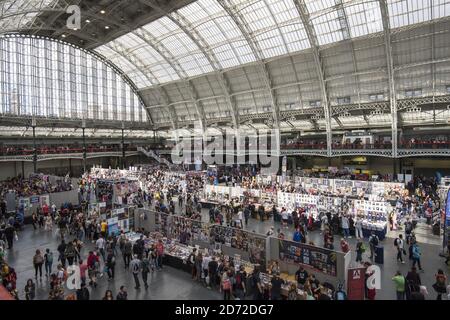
column 356, row 283
column 34, row 199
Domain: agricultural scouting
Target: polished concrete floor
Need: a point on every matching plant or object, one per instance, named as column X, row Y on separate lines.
column 172, row 284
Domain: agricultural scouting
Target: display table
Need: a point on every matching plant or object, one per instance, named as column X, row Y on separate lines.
column 380, row 229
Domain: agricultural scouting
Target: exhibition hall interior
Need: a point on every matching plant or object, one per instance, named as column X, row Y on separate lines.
column 224, row 150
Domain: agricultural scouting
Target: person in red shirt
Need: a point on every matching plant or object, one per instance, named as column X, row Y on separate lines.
column 159, row 254
column 83, row 268
column 93, row 262
column 345, row 246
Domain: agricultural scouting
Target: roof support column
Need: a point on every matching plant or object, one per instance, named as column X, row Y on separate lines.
column 304, row 15
column 390, row 68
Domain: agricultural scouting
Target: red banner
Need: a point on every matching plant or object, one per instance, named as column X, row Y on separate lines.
column 356, row 283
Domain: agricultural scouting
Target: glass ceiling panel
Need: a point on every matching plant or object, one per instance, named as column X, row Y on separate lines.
column 406, row 12
column 364, row 18
column 219, row 30
column 180, row 46
column 328, row 28
column 16, row 14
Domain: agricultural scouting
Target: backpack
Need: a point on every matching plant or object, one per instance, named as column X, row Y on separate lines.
column 374, row 240
column 396, row 242
column 136, row 268
column 340, row 295
column 226, row 284
column 49, row 257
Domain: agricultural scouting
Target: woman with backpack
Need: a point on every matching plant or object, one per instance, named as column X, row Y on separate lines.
column 38, row 261
column 225, row 285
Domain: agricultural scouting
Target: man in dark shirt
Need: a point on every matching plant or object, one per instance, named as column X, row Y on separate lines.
column 276, row 282
column 301, row 275
column 212, row 271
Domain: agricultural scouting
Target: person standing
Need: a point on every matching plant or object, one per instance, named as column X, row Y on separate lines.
column 225, row 285
column 145, row 270
column 30, row 290
column 38, row 261
column 240, row 290
column 34, row 220
column 246, row 215
column 400, row 246
column 159, row 254
column 358, row 228
column 399, row 281
column 126, row 253
column 48, row 262
column 109, row 295
column 359, row 251
column 345, row 226
column 136, row 268
column 416, row 254
column 277, row 282
column 83, row 292
column 122, row 295
column 440, row 286
column 212, row 272
column 373, row 243
column 9, row 233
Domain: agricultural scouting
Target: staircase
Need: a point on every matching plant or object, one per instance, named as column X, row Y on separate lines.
column 152, row 154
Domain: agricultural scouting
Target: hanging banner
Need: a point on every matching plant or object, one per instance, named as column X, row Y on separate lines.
column 356, row 283
column 34, row 199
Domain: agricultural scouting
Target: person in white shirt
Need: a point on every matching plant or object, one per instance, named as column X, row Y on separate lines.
column 358, row 228
column 400, row 245
column 324, row 221
column 100, row 245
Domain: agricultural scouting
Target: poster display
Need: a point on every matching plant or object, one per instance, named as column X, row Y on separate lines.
column 356, row 283
column 34, row 200
column 25, row 202
column 320, row 259
column 113, row 226
column 254, row 244
column 45, row 199
column 124, row 225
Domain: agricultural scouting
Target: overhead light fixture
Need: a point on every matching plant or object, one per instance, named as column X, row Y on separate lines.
column 88, row 21
column 102, row 11
column 106, row 27
column 75, row 29
column 63, row 35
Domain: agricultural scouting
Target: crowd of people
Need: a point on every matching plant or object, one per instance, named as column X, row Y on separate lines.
column 34, row 185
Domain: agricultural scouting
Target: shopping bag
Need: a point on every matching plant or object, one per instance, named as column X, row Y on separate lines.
column 207, row 280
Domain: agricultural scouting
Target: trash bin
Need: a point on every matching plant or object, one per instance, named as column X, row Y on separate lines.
column 379, row 255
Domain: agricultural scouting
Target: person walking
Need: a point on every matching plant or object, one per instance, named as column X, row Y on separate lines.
column 100, row 245
column 38, row 261
column 399, row 244
column 225, row 285
column 108, row 295
column 48, row 262
column 145, row 270
column 61, row 250
column 136, row 268
column 400, row 282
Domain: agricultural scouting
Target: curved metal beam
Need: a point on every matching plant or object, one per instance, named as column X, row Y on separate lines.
column 170, row 59
column 242, row 24
column 312, row 37
column 390, row 68
column 202, row 45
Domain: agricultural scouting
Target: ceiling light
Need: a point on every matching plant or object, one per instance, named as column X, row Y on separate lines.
column 75, row 29
column 63, row 35
column 102, row 11
column 88, row 21
column 106, row 27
